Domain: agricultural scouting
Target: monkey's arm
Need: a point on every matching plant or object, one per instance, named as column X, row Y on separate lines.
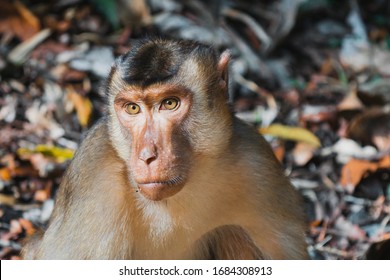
column 228, row 242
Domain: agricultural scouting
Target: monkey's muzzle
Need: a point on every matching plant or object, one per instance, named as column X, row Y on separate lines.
column 160, row 190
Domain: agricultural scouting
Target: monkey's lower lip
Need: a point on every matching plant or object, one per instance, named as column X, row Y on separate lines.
column 161, row 189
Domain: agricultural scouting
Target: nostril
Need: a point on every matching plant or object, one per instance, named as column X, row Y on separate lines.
column 150, row 159
column 148, row 155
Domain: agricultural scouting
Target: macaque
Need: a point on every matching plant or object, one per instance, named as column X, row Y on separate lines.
column 170, row 172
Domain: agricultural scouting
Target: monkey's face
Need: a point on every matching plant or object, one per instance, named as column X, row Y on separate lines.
column 168, row 105
column 153, row 119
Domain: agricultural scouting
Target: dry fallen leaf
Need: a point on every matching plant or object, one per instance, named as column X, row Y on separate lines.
column 7, row 199
column 59, row 154
column 27, row 226
column 21, row 52
column 42, row 120
column 8, row 108
column 27, row 15
column 297, row 134
column 41, row 195
column 355, row 169
column 17, row 20
column 5, row 174
column 279, row 152
column 303, row 153
column 371, row 127
column 83, row 107
column 351, row 101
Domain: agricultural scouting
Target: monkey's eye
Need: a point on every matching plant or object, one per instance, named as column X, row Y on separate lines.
column 169, row 103
column 132, row 108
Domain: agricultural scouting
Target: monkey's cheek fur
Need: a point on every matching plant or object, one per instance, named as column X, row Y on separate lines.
column 159, row 191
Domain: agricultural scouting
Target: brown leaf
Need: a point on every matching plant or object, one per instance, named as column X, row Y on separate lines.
column 27, row 15
column 351, row 101
column 371, row 127
column 355, row 169
column 7, row 199
column 5, row 174
column 27, row 226
column 17, row 20
column 27, row 171
column 43, row 194
column 83, row 106
column 279, row 152
column 40, row 195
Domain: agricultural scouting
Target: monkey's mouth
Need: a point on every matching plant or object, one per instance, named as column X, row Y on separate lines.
column 159, row 190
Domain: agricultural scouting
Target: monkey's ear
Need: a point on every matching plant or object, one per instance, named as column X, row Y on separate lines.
column 223, row 67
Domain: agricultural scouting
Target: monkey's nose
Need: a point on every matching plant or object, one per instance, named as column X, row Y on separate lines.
column 148, row 155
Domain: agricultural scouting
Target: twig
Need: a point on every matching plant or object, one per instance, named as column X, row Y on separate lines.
column 255, row 88
column 323, row 242
column 322, row 236
column 255, row 64
column 289, row 11
column 257, row 29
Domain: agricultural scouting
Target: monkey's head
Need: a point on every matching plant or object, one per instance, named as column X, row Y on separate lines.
column 168, row 103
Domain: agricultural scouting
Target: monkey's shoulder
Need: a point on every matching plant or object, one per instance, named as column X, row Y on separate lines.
column 97, row 138
column 253, row 152
column 99, row 131
column 96, row 148
column 248, row 140
column 94, row 162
